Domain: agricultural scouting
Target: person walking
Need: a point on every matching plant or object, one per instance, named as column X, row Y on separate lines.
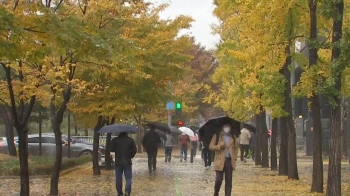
column 150, row 142
column 244, row 143
column 226, row 150
column 194, row 143
column 125, row 149
column 206, row 154
column 168, row 147
column 184, row 141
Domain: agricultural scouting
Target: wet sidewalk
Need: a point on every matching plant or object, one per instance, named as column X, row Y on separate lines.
column 173, row 179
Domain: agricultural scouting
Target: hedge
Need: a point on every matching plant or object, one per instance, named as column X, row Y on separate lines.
column 9, row 166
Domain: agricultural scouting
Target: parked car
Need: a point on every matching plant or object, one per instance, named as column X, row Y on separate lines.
column 102, row 148
column 48, row 146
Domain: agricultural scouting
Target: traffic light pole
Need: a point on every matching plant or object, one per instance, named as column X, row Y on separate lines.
column 169, row 118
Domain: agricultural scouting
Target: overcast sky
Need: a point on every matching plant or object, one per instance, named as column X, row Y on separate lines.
column 200, row 11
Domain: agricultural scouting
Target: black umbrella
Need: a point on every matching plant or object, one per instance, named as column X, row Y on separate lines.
column 160, row 126
column 118, row 128
column 250, row 126
column 161, row 134
column 214, row 125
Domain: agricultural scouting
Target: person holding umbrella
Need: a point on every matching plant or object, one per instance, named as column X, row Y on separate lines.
column 184, row 141
column 226, row 149
column 125, row 149
column 194, row 143
column 150, row 142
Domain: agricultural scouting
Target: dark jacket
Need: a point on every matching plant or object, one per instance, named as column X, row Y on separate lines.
column 150, row 141
column 124, row 148
column 205, row 140
column 252, row 142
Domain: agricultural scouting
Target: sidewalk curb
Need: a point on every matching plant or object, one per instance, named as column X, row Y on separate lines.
column 30, row 177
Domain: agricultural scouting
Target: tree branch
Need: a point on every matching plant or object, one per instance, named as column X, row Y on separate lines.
column 29, row 110
column 12, row 96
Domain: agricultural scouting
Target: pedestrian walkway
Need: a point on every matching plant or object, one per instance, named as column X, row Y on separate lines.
column 175, row 179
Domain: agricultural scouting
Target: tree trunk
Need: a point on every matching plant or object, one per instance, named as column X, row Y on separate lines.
column 23, row 159
column 86, row 132
column 344, row 143
column 58, row 162
column 40, row 131
column 273, row 144
column 75, row 130
column 292, row 150
column 68, row 135
column 317, row 169
column 283, row 159
column 257, row 152
column 10, row 137
column 75, row 126
column 334, row 167
column 20, row 122
column 7, row 118
column 139, row 133
column 284, row 134
column 264, row 144
column 343, row 127
column 108, row 160
column 96, row 144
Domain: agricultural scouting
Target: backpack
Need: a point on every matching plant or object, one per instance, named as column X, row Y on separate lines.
column 184, row 140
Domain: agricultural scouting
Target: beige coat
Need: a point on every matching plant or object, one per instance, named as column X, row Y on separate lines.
column 245, row 136
column 232, row 148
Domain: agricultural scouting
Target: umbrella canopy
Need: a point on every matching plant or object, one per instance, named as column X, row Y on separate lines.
column 187, row 131
column 118, row 128
column 160, row 126
column 161, row 134
column 250, row 126
column 207, row 132
column 213, row 126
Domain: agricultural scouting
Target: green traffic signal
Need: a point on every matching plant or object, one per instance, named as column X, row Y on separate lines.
column 178, row 105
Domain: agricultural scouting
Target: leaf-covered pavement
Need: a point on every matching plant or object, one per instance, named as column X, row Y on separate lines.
column 178, row 178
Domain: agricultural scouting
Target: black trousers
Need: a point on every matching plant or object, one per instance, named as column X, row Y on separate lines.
column 207, row 157
column 194, row 148
column 244, row 151
column 227, row 173
column 152, row 160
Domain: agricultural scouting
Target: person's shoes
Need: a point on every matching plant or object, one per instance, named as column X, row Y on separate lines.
column 244, row 160
column 154, row 169
column 126, row 194
column 180, row 160
column 150, row 171
column 207, row 167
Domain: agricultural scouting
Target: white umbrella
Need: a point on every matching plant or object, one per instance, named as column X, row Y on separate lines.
column 187, row 131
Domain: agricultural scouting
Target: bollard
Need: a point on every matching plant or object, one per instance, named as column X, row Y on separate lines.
column 191, row 160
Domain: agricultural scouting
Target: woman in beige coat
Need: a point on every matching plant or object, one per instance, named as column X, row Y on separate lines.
column 226, row 150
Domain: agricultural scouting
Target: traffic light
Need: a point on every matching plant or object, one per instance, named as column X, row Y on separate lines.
column 178, row 107
column 180, row 123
